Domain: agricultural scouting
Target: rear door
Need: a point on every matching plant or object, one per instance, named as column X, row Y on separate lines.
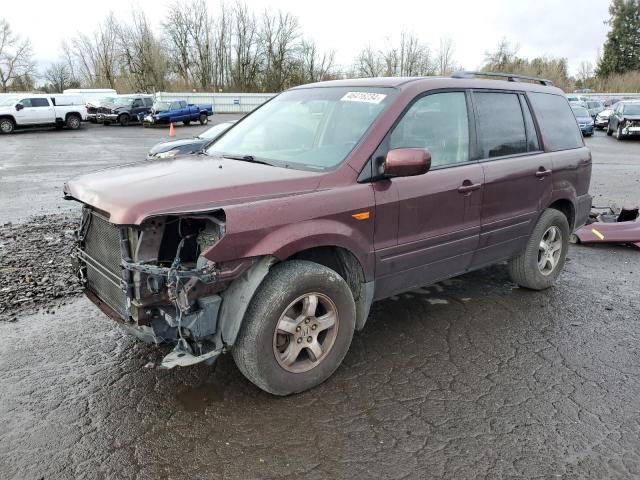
column 43, row 111
column 517, row 174
column 137, row 107
column 427, row 226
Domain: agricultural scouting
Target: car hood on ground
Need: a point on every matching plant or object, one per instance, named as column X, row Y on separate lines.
column 196, row 143
column 130, row 193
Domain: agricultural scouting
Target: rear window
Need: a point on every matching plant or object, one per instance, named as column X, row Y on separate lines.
column 558, row 124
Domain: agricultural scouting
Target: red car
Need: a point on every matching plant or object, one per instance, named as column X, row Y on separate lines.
column 326, row 198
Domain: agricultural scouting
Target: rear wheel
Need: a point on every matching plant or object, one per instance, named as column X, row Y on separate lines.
column 124, row 120
column 540, row 263
column 609, row 131
column 204, row 119
column 297, row 329
column 7, row 125
column 73, row 122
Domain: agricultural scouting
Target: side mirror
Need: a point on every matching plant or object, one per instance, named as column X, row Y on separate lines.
column 19, row 107
column 407, row 162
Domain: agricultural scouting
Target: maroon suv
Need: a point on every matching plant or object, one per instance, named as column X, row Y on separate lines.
column 274, row 243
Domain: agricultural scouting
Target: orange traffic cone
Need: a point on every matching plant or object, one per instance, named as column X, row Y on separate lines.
column 172, row 132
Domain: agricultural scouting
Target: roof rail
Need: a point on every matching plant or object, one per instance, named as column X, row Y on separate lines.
column 510, row 77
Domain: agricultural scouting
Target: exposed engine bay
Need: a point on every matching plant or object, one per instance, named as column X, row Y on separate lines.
column 156, row 280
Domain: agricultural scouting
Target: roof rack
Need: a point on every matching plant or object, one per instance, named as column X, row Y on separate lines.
column 511, row 77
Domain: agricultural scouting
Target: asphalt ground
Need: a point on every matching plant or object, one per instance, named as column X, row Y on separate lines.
column 469, row 378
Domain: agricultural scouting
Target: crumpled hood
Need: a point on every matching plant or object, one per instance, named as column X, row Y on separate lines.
column 130, row 193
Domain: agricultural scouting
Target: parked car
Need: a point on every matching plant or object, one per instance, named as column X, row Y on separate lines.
column 585, row 122
column 124, row 109
column 594, row 107
column 164, row 113
column 92, row 107
column 572, row 97
column 625, row 119
column 274, row 244
column 602, row 119
column 40, row 110
column 188, row 146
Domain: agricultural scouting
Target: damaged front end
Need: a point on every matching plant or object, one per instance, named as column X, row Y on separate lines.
column 155, row 280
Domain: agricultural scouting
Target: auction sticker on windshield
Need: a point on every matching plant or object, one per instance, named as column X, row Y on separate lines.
column 367, row 97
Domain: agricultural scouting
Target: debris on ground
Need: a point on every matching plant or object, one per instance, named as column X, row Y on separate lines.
column 611, row 225
column 35, row 267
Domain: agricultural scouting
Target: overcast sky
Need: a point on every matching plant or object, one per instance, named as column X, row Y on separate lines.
column 560, row 28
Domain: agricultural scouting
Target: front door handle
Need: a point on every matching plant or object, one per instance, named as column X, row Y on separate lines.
column 542, row 172
column 467, row 187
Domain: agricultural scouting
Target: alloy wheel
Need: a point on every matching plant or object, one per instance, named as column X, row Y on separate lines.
column 305, row 332
column 549, row 250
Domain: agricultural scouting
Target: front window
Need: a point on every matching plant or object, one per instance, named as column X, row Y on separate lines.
column 123, row 101
column 161, row 106
column 308, row 128
column 631, row 110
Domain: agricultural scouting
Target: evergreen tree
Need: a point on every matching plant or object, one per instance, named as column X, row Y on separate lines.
column 622, row 49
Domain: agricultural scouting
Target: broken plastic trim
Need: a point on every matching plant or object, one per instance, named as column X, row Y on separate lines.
column 181, row 356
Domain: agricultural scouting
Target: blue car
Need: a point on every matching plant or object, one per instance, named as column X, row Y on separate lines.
column 585, row 122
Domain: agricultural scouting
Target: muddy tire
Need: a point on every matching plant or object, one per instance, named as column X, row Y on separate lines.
column 609, row 131
column 297, row 329
column 124, row 120
column 540, row 263
column 73, row 122
column 204, row 119
column 7, row 125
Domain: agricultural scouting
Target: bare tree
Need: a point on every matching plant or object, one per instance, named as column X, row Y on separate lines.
column 200, row 30
column 314, row 65
column 16, row 58
column 246, row 50
column 142, row 54
column 58, row 76
column 585, row 71
column 444, row 57
column 177, row 28
column 369, row 63
column 280, row 37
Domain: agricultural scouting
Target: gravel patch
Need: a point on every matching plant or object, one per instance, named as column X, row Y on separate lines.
column 36, row 272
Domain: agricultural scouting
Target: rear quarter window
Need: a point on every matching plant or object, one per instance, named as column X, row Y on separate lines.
column 558, row 124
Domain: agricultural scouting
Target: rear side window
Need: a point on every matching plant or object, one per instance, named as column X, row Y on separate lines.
column 501, row 128
column 39, row 102
column 439, row 123
column 558, row 124
column 148, row 101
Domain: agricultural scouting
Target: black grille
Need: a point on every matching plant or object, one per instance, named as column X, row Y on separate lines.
column 104, row 272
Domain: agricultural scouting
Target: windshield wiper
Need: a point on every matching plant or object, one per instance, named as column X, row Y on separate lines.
column 246, row 158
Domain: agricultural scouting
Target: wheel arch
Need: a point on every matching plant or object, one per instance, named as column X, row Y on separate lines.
column 567, row 208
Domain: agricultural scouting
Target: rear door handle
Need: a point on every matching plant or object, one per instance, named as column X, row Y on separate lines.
column 541, row 173
column 468, row 187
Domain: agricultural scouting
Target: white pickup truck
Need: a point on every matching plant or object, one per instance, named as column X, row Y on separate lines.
column 39, row 110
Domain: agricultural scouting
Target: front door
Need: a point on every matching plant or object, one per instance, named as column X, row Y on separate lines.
column 427, row 226
column 517, row 174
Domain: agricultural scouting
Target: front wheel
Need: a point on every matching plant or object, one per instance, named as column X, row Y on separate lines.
column 619, row 134
column 542, row 260
column 297, row 329
column 7, row 125
column 124, row 120
column 204, row 119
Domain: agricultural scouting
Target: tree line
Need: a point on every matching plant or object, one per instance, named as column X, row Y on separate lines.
column 234, row 49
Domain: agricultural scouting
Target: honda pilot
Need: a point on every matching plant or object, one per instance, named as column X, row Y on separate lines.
column 273, row 244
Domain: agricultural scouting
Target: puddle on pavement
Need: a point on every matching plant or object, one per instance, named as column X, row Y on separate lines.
column 196, row 399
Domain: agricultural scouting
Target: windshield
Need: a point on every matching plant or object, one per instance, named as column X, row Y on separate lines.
column 309, row 128
column 123, row 101
column 631, row 109
column 214, row 131
column 4, row 102
column 161, row 106
column 580, row 112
